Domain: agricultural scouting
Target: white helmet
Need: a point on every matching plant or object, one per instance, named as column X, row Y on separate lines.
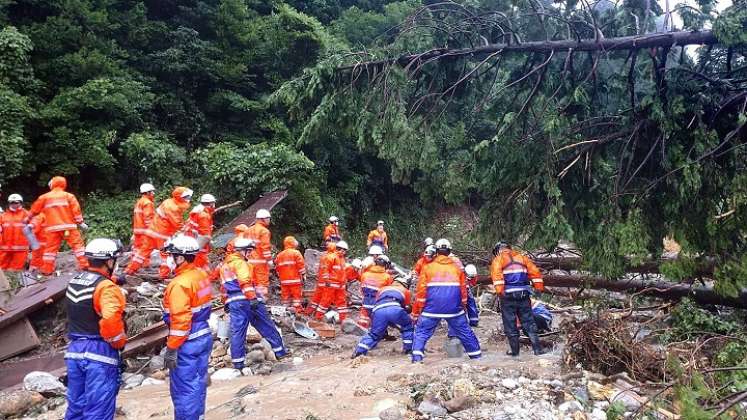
column 182, row 245
column 375, row 250
column 342, row 245
column 242, row 244
column 428, row 241
column 430, row 251
column 382, row 260
column 263, row 214
column 207, row 198
column 146, row 188
column 357, row 263
column 15, row 197
column 443, row 244
column 470, row 270
column 333, row 219
column 380, row 222
column 103, row 249
column 187, row 193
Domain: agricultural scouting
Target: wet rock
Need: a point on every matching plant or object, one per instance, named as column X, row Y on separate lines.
column 509, row 383
column 267, row 349
column 252, row 335
column 159, row 374
column 17, row 402
column 459, row 403
column 152, row 381
column 581, row 395
column 431, row 407
column 255, row 356
column 225, row 374
column 218, row 351
column 598, row 414
column 627, row 399
column 351, row 327
column 391, row 413
column 156, row 363
column 44, row 383
column 132, row 380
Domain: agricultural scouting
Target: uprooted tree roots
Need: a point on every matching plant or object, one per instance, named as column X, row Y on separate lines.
column 608, row 346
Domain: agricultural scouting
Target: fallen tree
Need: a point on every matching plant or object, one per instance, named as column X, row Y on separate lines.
column 702, row 268
column 658, row 288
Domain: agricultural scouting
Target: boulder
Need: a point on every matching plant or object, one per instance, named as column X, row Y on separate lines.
column 351, row 327
column 17, row 402
column 570, row 407
column 156, row 363
column 263, row 369
column 152, row 381
column 255, row 356
column 267, row 349
column 391, row 413
column 459, row 403
column 431, row 407
column 132, row 380
column 225, row 374
column 218, row 352
column 44, row 383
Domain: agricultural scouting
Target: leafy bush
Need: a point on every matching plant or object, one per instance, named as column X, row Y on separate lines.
column 109, row 216
column 153, row 157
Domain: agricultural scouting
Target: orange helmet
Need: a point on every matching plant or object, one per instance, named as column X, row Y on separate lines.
column 331, row 246
column 57, row 182
column 290, row 242
column 239, row 229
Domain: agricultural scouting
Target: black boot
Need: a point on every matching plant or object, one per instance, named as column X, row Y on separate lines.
column 536, row 345
column 513, row 344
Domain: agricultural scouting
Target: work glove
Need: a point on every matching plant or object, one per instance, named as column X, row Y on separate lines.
column 169, row 359
column 83, row 226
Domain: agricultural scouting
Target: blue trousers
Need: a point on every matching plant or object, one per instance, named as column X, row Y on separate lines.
column 473, row 316
column 242, row 315
column 92, row 389
column 458, row 324
column 517, row 305
column 189, row 380
column 394, row 316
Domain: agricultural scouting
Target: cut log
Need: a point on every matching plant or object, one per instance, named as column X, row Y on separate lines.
column 658, row 288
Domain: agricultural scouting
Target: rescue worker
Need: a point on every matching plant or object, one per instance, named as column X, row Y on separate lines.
column 428, row 255
column 261, row 257
column 200, row 226
column 542, row 317
column 473, row 314
column 291, row 270
column 371, row 283
column 142, row 216
column 240, row 232
column 322, row 278
column 187, row 302
column 373, row 252
column 95, row 308
column 335, row 292
column 37, row 256
column 244, row 305
column 332, row 231
column 378, row 237
column 63, row 217
column 167, row 221
column 442, row 295
column 14, row 247
column 390, row 310
column 513, row 276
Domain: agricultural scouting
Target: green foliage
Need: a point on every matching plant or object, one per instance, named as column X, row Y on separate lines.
column 616, row 411
column 731, row 277
column 153, row 157
column 109, row 216
column 14, row 111
column 731, row 26
column 689, row 320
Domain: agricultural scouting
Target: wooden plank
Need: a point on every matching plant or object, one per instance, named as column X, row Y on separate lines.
column 247, row 217
column 33, row 298
column 12, row 374
column 19, row 337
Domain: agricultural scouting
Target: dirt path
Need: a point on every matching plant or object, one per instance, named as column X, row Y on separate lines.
column 329, row 385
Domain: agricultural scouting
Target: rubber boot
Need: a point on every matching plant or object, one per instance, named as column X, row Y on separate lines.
column 536, row 345
column 513, row 344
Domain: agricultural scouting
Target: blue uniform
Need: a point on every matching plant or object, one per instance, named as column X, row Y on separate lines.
column 473, row 315
column 388, row 311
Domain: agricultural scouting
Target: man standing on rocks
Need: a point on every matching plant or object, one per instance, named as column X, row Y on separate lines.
column 335, row 292
column 142, row 216
column 238, row 282
column 514, row 276
column 442, row 295
column 187, row 303
column 261, row 258
column 95, row 306
column 291, row 269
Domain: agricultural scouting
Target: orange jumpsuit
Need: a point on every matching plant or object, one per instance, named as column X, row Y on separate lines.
column 372, row 281
column 201, row 224
column 291, row 270
column 335, row 292
column 37, row 257
column 331, row 233
column 62, row 216
column 142, row 216
column 261, row 256
column 167, row 220
column 322, row 278
column 421, row 262
column 378, row 238
column 14, row 247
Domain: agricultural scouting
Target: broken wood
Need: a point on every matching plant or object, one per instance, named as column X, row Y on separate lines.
column 658, row 288
column 33, row 298
column 12, row 374
column 247, row 217
column 703, row 268
column 19, row 336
